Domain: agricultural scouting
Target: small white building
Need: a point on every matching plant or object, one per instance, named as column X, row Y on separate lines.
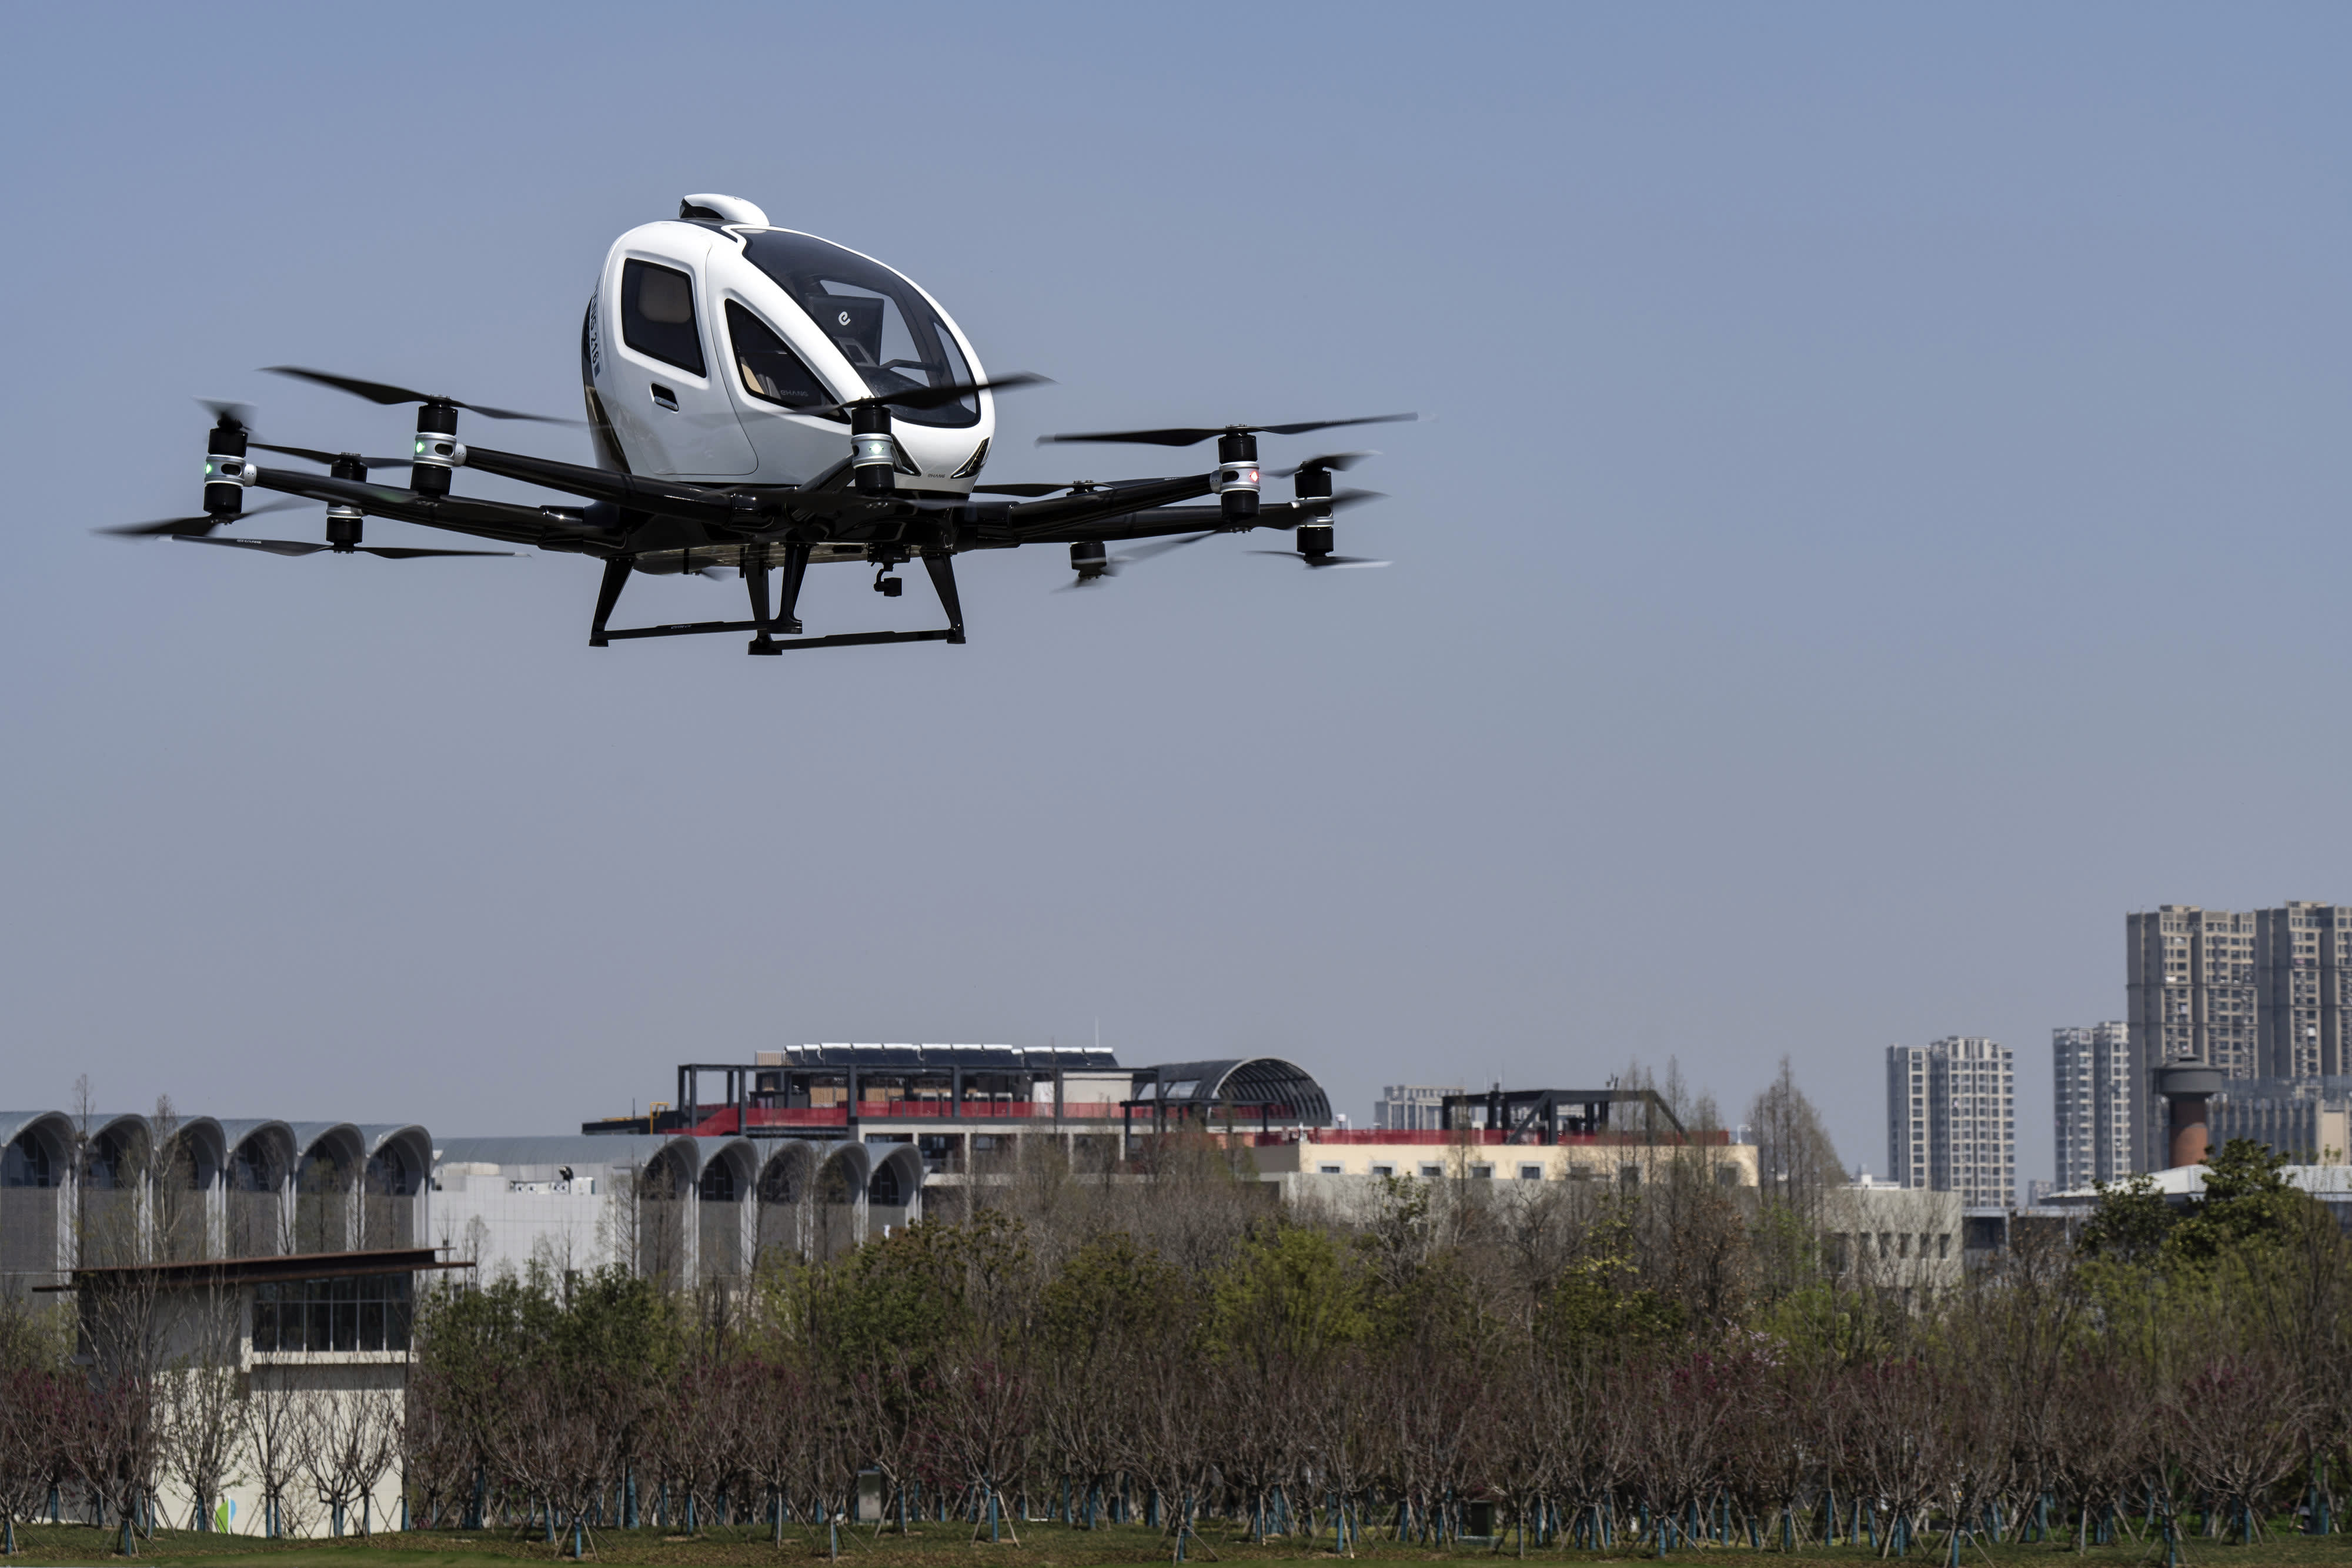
column 672, row 1205
column 1886, row 1236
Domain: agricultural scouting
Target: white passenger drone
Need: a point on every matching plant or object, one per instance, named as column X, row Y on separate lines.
column 762, row 400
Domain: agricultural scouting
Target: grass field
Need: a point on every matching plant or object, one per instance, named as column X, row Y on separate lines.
column 1041, row 1546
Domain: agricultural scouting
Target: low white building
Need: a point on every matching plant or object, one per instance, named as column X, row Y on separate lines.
column 1904, row 1239
column 686, row 1207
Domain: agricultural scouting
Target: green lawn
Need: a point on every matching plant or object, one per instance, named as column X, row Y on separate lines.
column 1043, row 1546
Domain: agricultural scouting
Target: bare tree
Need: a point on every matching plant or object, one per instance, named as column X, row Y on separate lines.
column 278, row 1443
column 353, row 1437
column 201, row 1437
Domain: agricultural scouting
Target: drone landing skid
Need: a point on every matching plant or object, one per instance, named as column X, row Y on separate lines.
column 938, row 563
column 840, row 640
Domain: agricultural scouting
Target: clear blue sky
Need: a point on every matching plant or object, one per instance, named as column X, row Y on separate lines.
column 1884, row 518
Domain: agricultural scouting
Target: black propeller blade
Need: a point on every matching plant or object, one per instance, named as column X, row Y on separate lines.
column 1335, row 462
column 927, row 397
column 196, row 527
column 305, row 547
column 384, row 392
column 1139, row 554
column 1194, row 434
column 236, row 415
column 1312, row 560
column 313, row 454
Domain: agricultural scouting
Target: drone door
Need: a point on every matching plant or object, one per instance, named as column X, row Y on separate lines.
column 673, row 417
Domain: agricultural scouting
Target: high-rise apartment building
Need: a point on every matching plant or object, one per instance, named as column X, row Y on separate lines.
column 2303, row 981
column 1972, row 1120
column 2092, row 1072
column 1952, row 1118
column 1907, row 1115
column 2190, row 997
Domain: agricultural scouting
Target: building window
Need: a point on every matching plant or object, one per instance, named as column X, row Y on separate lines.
column 1483, row 1173
column 26, row 1163
column 1431, row 1173
column 347, row 1314
column 1327, row 1170
column 1531, row 1173
column 1384, row 1170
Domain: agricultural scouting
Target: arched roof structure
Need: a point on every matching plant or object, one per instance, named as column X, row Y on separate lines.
column 737, row 1154
column 126, row 1131
column 275, row 1138
column 1283, row 1089
column 903, row 1163
column 412, row 1142
column 788, row 1171
column 204, row 1138
column 337, row 1141
column 50, row 1130
column 852, row 1161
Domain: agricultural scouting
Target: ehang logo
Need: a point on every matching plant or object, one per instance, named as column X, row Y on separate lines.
column 844, row 318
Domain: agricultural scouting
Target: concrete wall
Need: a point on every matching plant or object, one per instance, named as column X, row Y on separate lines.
column 1893, row 1238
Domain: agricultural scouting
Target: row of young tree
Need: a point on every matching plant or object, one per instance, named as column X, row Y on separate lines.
column 1567, row 1365
column 152, row 1425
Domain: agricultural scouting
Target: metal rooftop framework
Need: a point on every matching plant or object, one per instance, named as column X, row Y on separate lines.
column 1263, row 1089
column 790, row 1092
column 1542, row 1115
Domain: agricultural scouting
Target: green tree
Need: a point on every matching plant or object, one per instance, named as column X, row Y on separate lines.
column 2130, row 1223
column 1600, row 1308
column 1287, row 1290
column 2247, row 1207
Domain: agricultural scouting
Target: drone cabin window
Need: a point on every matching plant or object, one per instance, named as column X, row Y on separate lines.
column 771, row 371
column 890, row 334
column 658, row 314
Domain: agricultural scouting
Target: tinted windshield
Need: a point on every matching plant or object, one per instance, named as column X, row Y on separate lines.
column 885, row 329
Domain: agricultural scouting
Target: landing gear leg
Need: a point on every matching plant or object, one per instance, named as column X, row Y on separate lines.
column 796, row 557
column 608, row 594
column 755, row 575
column 941, row 564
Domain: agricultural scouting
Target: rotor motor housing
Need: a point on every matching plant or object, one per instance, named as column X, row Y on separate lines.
column 436, row 449
column 224, row 470
column 346, row 522
column 1237, row 479
column 1313, row 488
column 874, row 454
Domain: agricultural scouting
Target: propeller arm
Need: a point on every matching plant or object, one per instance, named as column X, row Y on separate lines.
column 1067, row 512
column 694, row 502
column 498, row 520
column 1160, row 521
